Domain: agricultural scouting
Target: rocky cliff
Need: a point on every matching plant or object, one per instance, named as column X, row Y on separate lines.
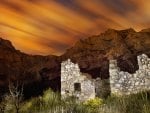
column 92, row 54
column 31, row 70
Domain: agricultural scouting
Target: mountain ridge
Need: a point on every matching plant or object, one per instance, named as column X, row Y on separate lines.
column 92, row 54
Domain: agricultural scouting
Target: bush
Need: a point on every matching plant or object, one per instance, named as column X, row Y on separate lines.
column 49, row 101
column 93, row 105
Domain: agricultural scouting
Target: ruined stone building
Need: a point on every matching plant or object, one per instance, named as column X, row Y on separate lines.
column 75, row 83
column 82, row 86
column 125, row 83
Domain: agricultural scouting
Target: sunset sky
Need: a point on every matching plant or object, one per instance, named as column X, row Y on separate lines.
column 51, row 26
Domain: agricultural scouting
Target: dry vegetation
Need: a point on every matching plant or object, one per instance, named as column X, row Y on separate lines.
column 51, row 102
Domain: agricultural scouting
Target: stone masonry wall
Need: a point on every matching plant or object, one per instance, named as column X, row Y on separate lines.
column 70, row 74
column 125, row 83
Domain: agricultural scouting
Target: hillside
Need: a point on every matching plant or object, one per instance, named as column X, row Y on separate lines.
column 92, row 54
column 26, row 69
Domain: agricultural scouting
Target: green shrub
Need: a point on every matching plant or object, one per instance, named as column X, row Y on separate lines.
column 49, row 101
column 93, row 105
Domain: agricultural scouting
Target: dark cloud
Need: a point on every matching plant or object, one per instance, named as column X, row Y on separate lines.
column 73, row 5
column 120, row 6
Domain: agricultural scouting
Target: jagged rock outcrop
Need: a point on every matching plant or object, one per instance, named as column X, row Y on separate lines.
column 92, row 55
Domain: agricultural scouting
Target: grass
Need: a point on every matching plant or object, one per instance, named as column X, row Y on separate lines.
column 135, row 103
column 51, row 102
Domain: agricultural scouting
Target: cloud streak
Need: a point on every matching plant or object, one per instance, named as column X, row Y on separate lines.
column 50, row 26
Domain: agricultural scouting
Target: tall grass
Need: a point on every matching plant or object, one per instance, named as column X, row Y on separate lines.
column 52, row 102
column 135, row 103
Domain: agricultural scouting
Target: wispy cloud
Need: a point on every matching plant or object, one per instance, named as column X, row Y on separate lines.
column 51, row 26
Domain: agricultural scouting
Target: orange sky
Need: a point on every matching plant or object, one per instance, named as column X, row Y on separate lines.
column 51, row 26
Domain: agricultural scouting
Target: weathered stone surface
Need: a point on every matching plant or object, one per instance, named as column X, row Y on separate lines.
column 93, row 54
column 71, row 75
column 121, row 82
column 125, row 83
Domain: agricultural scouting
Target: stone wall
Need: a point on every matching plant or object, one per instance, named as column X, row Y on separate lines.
column 125, row 83
column 70, row 75
column 120, row 82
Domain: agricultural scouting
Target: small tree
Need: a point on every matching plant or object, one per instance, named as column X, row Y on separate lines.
column 15, row 95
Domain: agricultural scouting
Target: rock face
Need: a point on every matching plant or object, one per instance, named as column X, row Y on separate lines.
column 92, row 55
column 125, row 83
column 28, row 69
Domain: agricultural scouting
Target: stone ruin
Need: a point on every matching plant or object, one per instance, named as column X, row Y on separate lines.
column 82, row 86
column 125, row 83
column 74, row 83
